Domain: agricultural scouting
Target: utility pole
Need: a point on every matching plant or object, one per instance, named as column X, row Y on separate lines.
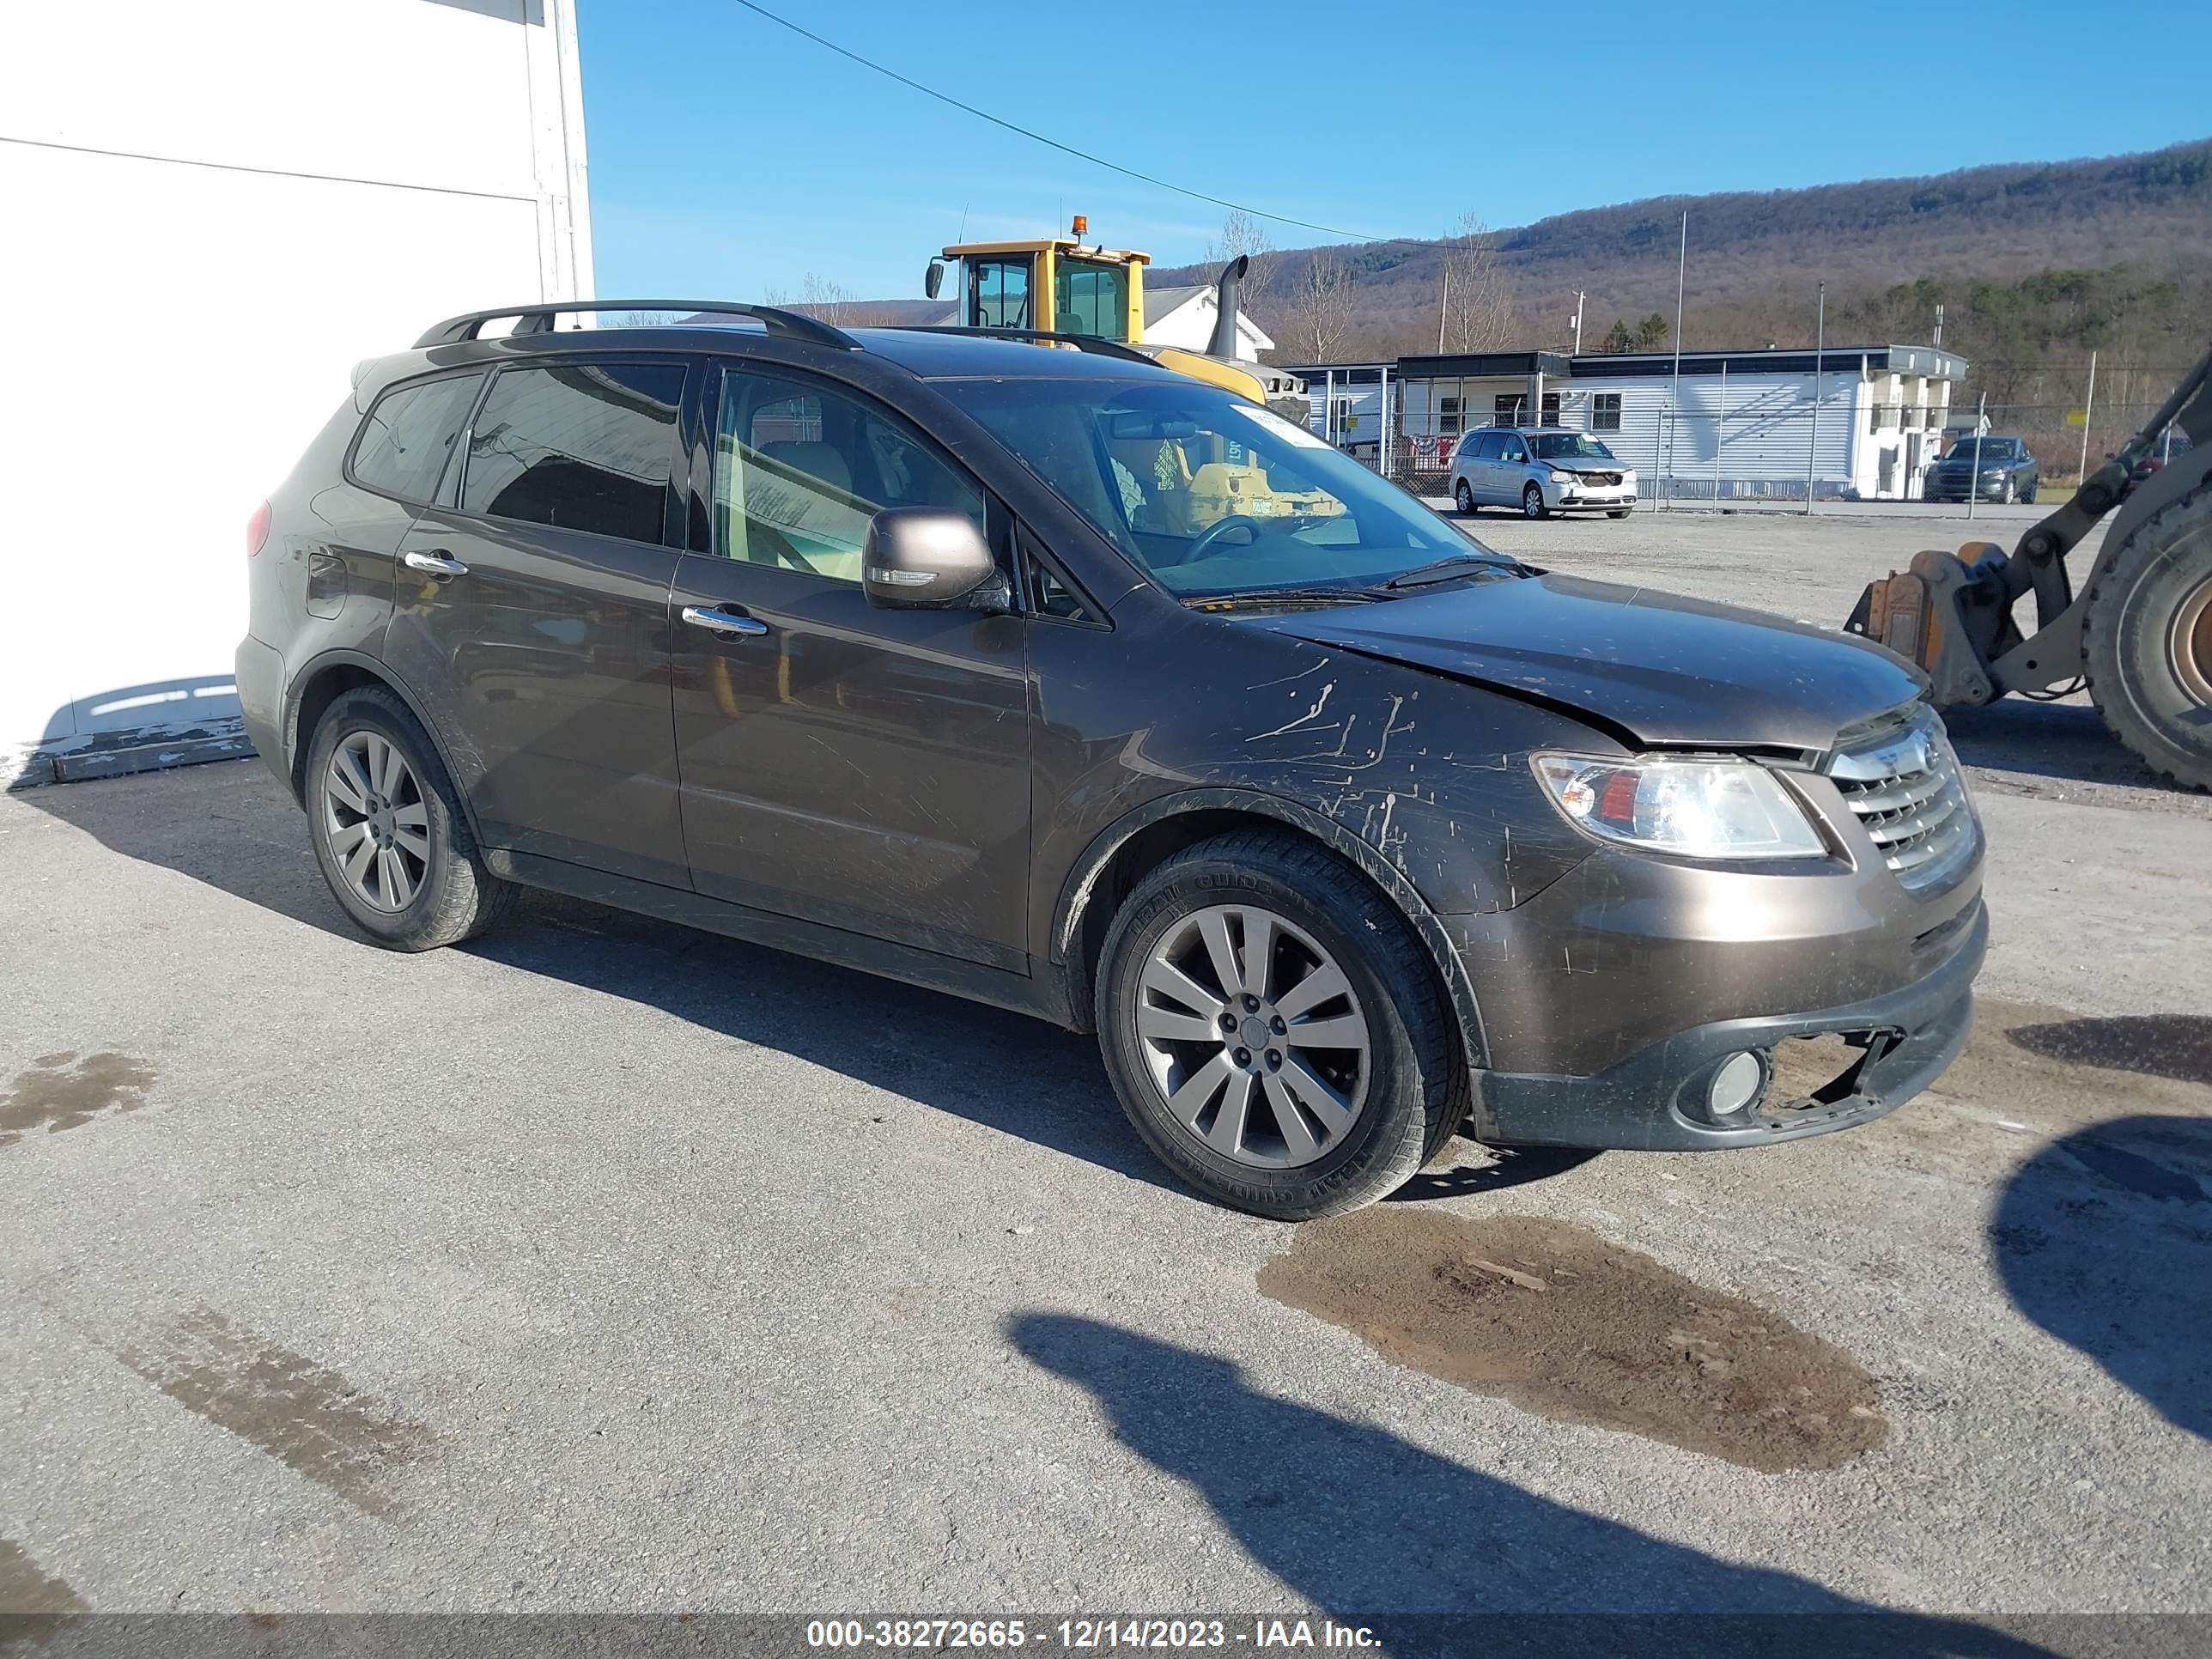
column 1578, row 322
column 1720, row 432
column 1820, row 348
column 1674, row 391
column 1443, row 308
column 1981, row 424
column 2088, row 409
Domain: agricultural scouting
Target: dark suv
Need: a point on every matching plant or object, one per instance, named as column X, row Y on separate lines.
column 1990, row 469
column 1030, row 671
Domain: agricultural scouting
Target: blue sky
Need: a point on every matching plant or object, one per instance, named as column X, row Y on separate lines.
column 729, row 157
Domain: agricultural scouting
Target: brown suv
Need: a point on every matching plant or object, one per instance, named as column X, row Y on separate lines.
column 1027, row 670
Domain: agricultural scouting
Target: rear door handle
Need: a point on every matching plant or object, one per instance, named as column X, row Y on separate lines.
column 729, row 624
column 434, row 564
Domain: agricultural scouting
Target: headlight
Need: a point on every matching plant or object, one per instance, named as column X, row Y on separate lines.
column 1563, row 478
column 1697, row 809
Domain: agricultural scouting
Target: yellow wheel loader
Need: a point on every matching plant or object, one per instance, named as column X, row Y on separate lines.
column 1056, row 286
column 2138, row 634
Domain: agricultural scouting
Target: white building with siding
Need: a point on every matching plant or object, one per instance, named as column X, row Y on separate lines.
column 1863, row 421
column 214, row 212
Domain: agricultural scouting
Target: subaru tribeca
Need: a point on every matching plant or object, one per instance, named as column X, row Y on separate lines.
column 1029, row 670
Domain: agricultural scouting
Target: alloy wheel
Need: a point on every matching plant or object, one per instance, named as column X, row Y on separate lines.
column 378, row 822
column 1532, row 502
column 1253, row 1035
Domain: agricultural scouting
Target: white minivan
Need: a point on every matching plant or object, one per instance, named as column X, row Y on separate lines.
column 1541, row 471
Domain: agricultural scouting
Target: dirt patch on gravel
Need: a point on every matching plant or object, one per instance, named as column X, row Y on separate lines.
column 1559, row 1322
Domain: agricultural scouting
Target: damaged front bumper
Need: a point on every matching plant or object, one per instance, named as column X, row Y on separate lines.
column 1658, row 1099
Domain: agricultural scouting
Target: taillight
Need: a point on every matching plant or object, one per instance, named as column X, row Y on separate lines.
column 256, row 530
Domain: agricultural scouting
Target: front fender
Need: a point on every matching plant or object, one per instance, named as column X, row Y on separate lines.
column 1082, row 882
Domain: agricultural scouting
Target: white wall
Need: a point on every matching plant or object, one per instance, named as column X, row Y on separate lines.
column 1770, row 429
column 213, row 212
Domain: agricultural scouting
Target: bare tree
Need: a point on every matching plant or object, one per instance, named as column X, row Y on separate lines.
column 820, row 297
column 1474, row 307
column 1243, row 234
column 1317, row 310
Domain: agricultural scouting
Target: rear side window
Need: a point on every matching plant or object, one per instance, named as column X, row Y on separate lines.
column 409, row 433
column 582, row 447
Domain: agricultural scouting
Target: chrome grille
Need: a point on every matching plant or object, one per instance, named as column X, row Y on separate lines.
column 1903, row 785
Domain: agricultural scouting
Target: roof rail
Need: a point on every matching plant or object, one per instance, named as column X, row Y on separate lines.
column 1081, row 341
column 536, row 318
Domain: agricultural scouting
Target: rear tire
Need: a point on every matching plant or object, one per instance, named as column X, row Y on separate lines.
column 1532, row 503
column 2147, row 642
column 406, row 871
column 1402, row 1085
column 1465, row 497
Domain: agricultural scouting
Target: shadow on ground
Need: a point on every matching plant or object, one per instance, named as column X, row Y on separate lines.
column 2067, row 741
column 2104, row 1239
column 1377, row 1530
column 234, row 826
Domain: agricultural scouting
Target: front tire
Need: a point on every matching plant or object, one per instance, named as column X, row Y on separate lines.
column 1616, row 513
column 2147, row 642
column 1465, row 497
column 1532, row 503
column 388, row 829
column 2011, row 491
column 1333, row 1076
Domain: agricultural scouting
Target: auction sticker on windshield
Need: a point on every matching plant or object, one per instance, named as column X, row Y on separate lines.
column 1289, row 431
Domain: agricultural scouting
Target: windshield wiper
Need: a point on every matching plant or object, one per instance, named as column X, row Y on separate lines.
column 1452, row 568
column 1259, row 595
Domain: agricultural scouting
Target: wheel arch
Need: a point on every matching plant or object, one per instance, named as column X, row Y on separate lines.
column 1121, row 854
column 321, row 683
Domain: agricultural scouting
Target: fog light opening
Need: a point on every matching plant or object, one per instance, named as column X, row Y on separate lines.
column 1737, row 1083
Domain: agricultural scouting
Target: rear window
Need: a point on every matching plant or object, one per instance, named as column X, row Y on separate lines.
column 411, row 431
column 582, row 447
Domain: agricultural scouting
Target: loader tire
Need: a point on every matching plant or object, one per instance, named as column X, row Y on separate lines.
column 2147, row 642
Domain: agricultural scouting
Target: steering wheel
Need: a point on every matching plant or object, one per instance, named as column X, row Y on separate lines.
column 1220, row 527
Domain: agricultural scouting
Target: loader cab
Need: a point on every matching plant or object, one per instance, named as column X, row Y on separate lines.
column 1058, row 285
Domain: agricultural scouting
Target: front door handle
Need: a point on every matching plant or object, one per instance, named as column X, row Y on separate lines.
column 729, row 624
column 434, row 564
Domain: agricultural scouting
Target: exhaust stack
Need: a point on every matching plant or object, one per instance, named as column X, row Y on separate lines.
column 1223, row 343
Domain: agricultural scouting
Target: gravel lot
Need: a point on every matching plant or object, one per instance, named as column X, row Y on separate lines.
column 603, row 1265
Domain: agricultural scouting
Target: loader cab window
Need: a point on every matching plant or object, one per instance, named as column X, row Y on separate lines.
column 998, row 293
column 1090, row 299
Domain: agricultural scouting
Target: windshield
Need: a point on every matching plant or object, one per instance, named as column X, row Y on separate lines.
column 1569, row 446
column 1209, row 493
column 1993, row 449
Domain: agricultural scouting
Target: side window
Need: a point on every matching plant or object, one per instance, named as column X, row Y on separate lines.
column 1605, row 412
column 410, row 432
column 799, row 469
column 1515, row 451
column 579, row 446
column 1049, row 595
column 1000, row 290
column 1486, row 447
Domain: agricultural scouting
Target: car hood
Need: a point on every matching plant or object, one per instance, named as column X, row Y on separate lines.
column 1666, row 671
column 1585, row 463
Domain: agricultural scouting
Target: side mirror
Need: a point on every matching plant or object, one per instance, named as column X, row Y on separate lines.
column 933, row 278
column 922, row 558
